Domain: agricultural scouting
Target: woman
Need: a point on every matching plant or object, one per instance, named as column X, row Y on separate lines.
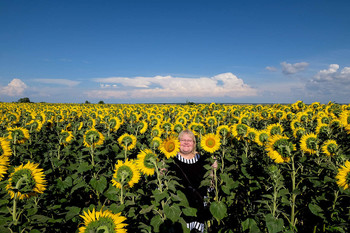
column 189, row 168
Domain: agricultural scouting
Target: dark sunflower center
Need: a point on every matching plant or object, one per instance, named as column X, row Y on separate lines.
column 170, row 146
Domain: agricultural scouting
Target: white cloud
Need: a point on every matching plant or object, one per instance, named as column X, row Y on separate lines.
column 15, row 88
column 331, row 83
column 288, row 68
column 222, row 85
column 271, row 68
column 58, row 81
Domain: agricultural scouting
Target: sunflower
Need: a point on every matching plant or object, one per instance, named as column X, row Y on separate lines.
column 93, row 138
column 329, row 147
column 125, row 173
column 26, row 181
column 239, row 131
column 146, row 160
column 252, row 134
column 211, row 121
column 274, row 129
column 322, row 128
column 343, row 175
column 262, row 137
column 210, row 142
column 178, row 127
column 170, row 147
column 102, row 221
column 143, row 125
column 299, row 132
column 18, row 135
column 156, row 131
column 156, row 142
column 4, row 162
column 295, row 124
column 223, row 130
column 114, row 123
column 279, row 148
column 5, row 148
column 308, row 143
column 127, row 141
column 66, row 137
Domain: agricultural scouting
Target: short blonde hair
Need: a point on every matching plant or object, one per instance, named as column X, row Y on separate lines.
column 191, row 134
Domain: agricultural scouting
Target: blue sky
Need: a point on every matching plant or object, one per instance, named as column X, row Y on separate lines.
column 167, row 51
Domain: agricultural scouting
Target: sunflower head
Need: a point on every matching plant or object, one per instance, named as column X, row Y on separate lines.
column 146, row 162
column 4, row 162
column 125, row 174
column 210, row 142
column 66, row 137
column 93, row 138
column 102, row 221
column 223, row 130
column 309, row 143
column 299, row 132
column 5, row 148
column 239, row 130
column 275, row 129
column 343, row 176
column 156, row 142
column 280, row 148
column 170, row 147
column 262, row 137
column 26, row 181
column 329, row 147
column 127, row 141
column 18, row 135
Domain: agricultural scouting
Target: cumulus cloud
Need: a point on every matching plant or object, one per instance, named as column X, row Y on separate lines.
column 332, row 83
column 222, row 85
column 15, row 88
column 271, row 68
column 65, row 82
column 288, row 68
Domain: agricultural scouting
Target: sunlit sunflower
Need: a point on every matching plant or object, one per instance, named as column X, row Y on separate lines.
column 223, row 130
column 156, row 142
column 4, row 162
column 170, row 147
column 18, row 135
column 343, row 175
column 295, row 124
column 262, row 137
column 125, row 173
column 143, row 126
column 211, row 121
column 309, row 143
column 114, row 123
column 156, row 131
column 239, row 131
column 26, row 181
column 299, row 132
column 178, row 127
column 280, row 148
column 146, row 160
column 66, row 137
column 103, row 221
column 93, row 138
column 274, row 129
column 34, row 125
column 252, row 134
column 127, row 141
column 329, row 147
column 5, row 147
column 322, row 129
column 210, row 142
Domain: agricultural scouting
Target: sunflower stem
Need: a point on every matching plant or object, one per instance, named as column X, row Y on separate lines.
column 15, row 216
column 292, row 215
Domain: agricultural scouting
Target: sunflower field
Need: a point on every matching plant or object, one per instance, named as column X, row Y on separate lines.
column 104, row 168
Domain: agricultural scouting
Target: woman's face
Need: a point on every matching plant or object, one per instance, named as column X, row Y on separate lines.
column 186, row 144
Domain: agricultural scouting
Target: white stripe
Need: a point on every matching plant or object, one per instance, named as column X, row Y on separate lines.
column 196, row 225
column 188, row 161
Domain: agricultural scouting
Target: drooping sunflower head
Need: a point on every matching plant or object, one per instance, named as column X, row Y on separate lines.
column 156, row 142
column 127, row 141
column 262, row 137
column 299, row 132
column 211, row 121
column 239, row 131
column 280, row 148
column 66, row 137
column 223, row 130
column 210, row 142
column 343, row 176
column 5, row 148
column 26, row 181
column 329, row 147
column 295, row 124
column 178, row 127
column 93, row 138
column 125, row 174
column 18, row 135
column 252, row 134
column 170, row 147
column 103, row 221
column 309, row 143
column 322, row 129
column 146, row 160
column 114, row 123
column 274, row 129
column 4, row 162
column 156, row 131
column 142, row 125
